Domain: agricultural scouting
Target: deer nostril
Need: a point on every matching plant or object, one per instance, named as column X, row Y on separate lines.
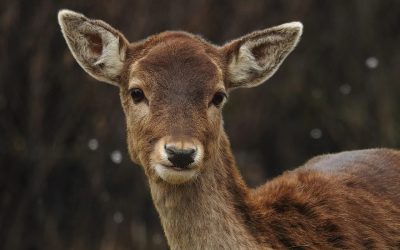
column 181, row 158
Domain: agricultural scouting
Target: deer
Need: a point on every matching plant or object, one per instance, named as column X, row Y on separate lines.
column 173, row 86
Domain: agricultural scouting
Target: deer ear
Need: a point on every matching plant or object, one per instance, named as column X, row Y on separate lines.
column 254, row 58
column 98, row 48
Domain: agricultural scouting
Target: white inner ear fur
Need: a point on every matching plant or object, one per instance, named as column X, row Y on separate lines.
column 280, row 41
column 105, row 66
column 242, row 64
column 111, row 57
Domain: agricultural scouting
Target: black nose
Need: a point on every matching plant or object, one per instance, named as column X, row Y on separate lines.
column 181, row 158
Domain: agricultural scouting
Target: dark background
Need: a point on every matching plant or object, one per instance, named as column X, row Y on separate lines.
column 66, row 181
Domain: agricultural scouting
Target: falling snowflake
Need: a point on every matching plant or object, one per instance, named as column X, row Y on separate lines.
column 372, row 62
column 345, row 89
column 316, row 133
column 93, row 144
column 116, row 156
column 118, row 217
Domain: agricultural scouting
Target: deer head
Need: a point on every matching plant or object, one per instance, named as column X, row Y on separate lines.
column 173, row 86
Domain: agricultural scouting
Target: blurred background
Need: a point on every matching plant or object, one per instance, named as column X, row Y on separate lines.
column 66, row 181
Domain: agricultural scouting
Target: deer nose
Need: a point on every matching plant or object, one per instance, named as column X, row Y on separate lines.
column 180, row 157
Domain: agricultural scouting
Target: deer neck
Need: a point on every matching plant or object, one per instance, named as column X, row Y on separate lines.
column 209, row 213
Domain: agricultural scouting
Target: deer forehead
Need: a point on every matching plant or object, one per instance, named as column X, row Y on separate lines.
column 181, row 65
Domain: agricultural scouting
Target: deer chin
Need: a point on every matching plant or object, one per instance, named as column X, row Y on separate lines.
column 174, row 175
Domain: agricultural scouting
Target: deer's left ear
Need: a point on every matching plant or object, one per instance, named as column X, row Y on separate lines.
column 98, row 48
column 254, row 58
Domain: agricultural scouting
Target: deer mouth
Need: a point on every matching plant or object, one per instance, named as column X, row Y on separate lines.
column 176, row 174
column 179, row 168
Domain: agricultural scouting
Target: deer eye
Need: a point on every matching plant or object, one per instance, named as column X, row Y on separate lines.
column 218, row 98
column 137, row 95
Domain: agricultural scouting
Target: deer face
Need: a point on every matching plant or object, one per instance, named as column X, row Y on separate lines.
column 173, row 86
column 172, row 102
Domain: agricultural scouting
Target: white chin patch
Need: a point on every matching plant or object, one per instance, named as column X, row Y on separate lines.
column 173, row 176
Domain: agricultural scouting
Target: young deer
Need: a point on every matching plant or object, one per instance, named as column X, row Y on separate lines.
column 172, row 88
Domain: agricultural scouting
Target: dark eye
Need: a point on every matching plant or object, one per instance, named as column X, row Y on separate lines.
column 218, row 98
column 137, row 95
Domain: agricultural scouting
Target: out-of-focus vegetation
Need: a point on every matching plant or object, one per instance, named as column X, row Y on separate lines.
column 66, row 181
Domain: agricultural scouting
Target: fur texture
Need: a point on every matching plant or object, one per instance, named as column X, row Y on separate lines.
column 348, row 200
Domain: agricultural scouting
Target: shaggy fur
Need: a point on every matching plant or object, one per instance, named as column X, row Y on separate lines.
column 348, row 200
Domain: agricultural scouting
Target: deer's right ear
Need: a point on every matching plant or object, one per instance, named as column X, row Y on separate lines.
column 98, row 48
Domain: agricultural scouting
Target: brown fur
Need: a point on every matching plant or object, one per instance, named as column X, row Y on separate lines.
column 348, row 200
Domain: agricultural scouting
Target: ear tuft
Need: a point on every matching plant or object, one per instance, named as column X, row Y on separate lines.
column 254, row 58
column 98, row 48
column 65, row 16
column 294, row 26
